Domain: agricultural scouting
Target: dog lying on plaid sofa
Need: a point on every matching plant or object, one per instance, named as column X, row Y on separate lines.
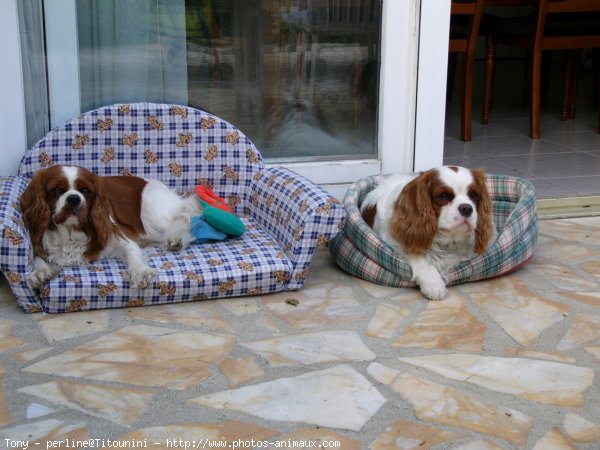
column 286, row 216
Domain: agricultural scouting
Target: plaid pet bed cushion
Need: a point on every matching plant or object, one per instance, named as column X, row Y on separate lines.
column 286, row 216
column 359, row 251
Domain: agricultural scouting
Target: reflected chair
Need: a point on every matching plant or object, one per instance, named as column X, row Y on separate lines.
column 465, row 21
column 555, row 25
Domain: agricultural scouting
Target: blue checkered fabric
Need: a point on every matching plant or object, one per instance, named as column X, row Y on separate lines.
column 16, row 256
column 250, row 265
column 301, row 219
column 286, row 216
column 181, row 146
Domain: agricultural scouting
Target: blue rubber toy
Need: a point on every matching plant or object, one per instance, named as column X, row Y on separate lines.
column 205, row 232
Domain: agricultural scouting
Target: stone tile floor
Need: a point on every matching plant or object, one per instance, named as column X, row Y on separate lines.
column 507, row 363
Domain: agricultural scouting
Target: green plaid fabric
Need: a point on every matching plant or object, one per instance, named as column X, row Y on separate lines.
column 360, row 252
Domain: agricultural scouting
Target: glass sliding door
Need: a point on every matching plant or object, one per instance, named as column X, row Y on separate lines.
column 300, row 78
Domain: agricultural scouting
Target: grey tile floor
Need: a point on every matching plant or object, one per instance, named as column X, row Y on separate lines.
column 565, row 162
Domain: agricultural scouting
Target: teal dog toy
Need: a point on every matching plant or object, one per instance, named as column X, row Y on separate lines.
column 217, row 216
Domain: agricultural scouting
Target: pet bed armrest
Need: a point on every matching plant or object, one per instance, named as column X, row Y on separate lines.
column 16, row 252
column 297, row 213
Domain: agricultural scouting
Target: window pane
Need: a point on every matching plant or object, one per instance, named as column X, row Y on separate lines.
column 299, row 77
column 131, row 51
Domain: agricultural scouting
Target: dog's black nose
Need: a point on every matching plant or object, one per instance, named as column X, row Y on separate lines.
column 73, row 200
column 465, row 210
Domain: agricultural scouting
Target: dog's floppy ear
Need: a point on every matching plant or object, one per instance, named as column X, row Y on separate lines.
column 37, row 214
column 369, row 213
column 414, row 222
column 485, row 222
column 99, row 226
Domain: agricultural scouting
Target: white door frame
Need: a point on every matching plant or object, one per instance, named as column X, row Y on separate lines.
column 13, row 137
column 431, row 89
column 411, row 106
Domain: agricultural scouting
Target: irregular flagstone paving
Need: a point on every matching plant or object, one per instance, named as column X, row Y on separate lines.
column 523, row 315
column 444, row 325
column 563, row 385
column 117, row 404
column 169, row 436
column 585, row 328
column 339, row 397
column 507, row 363
column 312, row 348
column 142, row 355
column 4, row 413
column 580, row 429
column 405, row 434
column 446, row 405
column 554, row 440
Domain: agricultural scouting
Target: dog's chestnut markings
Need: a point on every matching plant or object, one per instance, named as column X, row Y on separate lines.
column 369, row 213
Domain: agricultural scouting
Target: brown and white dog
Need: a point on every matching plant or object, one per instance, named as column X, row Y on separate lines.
column 436, row 219
column 75, row 216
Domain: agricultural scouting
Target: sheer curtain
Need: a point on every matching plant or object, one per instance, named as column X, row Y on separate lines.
column 132, row 50
column 33, row 58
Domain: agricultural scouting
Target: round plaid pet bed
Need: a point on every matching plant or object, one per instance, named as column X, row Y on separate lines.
column 360, row 252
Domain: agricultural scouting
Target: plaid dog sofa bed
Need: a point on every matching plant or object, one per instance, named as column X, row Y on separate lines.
column 286, row 216
column 360, row 252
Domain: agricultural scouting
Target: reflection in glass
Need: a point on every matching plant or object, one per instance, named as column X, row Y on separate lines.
column 299, row 77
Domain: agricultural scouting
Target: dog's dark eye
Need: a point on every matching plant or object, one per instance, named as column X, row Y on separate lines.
column 444, row 196
column 473, row 195
column 86, row 191
column 58, row 191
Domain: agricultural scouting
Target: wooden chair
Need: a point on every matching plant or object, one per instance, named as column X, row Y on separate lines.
column 555, row 25
column 464, row 29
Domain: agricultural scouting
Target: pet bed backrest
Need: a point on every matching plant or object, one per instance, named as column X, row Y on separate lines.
column 179, row 145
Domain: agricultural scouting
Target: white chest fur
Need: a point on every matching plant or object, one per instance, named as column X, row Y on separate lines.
column 65, row 246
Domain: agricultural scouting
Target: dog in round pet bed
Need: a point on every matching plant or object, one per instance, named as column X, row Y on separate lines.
column 436, row 219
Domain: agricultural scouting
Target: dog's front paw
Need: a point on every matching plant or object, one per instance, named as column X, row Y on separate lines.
column 434, row 290
column 141, row 278
column 37, row 278
column 41, row 274
column 173, row 245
